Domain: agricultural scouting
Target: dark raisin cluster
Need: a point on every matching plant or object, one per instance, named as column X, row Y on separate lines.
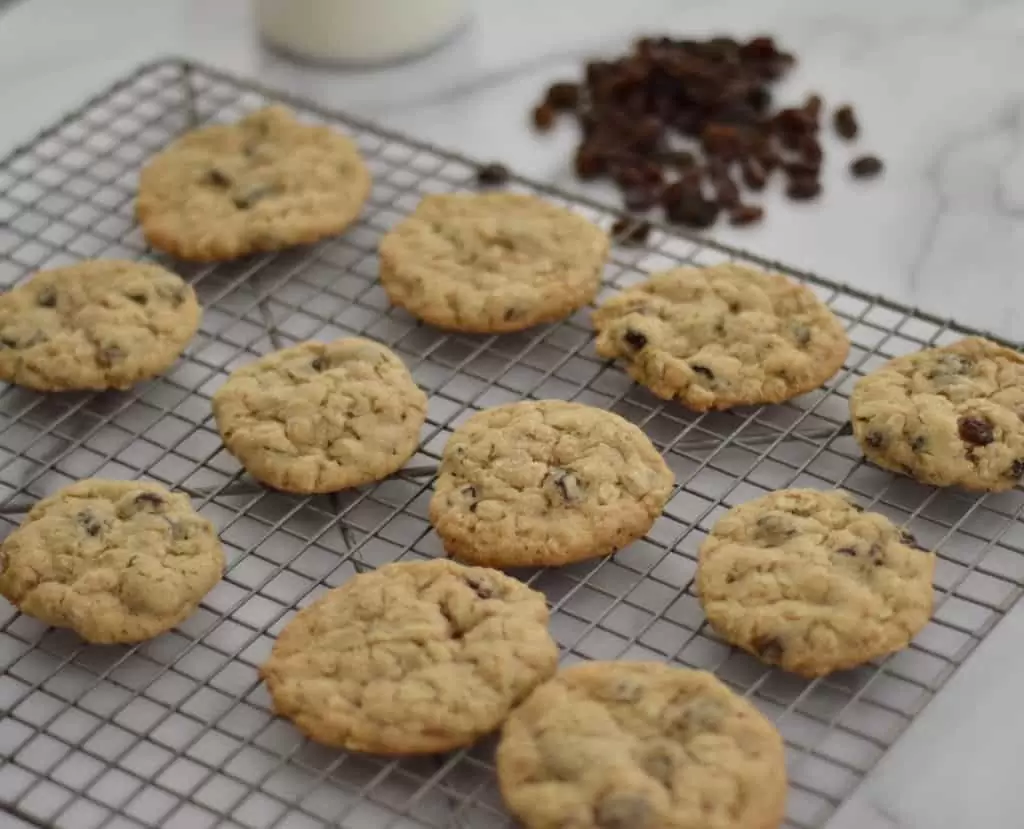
column 690, row 127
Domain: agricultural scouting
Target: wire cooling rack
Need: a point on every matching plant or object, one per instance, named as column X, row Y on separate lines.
column 177, row 732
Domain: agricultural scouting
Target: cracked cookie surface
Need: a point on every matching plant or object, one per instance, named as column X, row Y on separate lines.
column 950, row 416
column 640, row 745
column 266, row 182
column 808, row 581
column 100, row 324
column 546, row 483
column 115, row 561
column 321, row 417
column 722, row 336
column 491, row 262
column 413, row 658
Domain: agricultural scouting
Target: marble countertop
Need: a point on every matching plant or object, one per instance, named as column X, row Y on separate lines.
column 939, row 88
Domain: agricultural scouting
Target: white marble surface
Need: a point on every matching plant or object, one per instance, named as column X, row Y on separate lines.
column 939, row 85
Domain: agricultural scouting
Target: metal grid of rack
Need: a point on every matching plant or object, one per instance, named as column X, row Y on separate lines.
column 177, row 732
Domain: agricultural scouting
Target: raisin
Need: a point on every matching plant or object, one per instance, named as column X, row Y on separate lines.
column 845, row 122
column 567, row 484
column 754, row 174
column 8, row 342
column 563, row 95
column 590, row 162
column 89, row 522
column 875, row 440
column 801, row 169
column 812, row 106
column 482, row 590
column 492, row 175
column 106, row 357
column 721, row 140
column 769, row 648
column 510, row 314
column 139, row 297
column 976, row 430
column 629, row 231
column 217, row 178
column 47, row 298
column 846, row 551
column 318, row 363
column 811, row 152
column 693, row 211
column 745, row 214
column 634, row 339
column 703, row 371
column 726, row 192
column 151, row 499
column 908, row 538
column 866, row 166
column 918, row 443
column 543, row 117
column 803, row 188
column 245, row 200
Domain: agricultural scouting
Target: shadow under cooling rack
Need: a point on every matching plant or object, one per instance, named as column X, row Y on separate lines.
column 177, row 732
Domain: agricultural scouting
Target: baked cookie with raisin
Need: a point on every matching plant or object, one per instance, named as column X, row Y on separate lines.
column 723, row 336
column 949, row 416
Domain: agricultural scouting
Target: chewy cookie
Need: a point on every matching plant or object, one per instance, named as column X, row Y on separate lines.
column 722, row 336
column 951, row 416
column 807, row 581
column 413, row 658
column 640, row 745
column 546, row 483
column 264, row 183
column 320, row 417
column 101, row 324
column 491, row 262
column 115, row 561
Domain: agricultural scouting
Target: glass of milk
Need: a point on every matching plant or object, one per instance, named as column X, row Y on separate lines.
column 358, row 31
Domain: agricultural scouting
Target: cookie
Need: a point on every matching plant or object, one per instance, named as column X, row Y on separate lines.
column 101, row 324
column 640, row 745
column 413, row 658
column 491, row 262
column 546, row 483
column 264, row 183
column 320, row 417
column 807, row 581
column 951, row 416
column 115, row 561
column 723, row 336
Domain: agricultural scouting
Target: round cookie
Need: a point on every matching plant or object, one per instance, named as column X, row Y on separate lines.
column 491, row 262
column 537, row 484
column 413, row 658
column 115, row 561
column 951, row 416
column 807, row 581
column 321, row 417
column 100, row 324
column 264, row 183
column 722, row 336
column 640, row 745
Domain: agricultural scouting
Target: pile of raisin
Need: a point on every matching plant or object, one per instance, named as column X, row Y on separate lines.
column 690, row 126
